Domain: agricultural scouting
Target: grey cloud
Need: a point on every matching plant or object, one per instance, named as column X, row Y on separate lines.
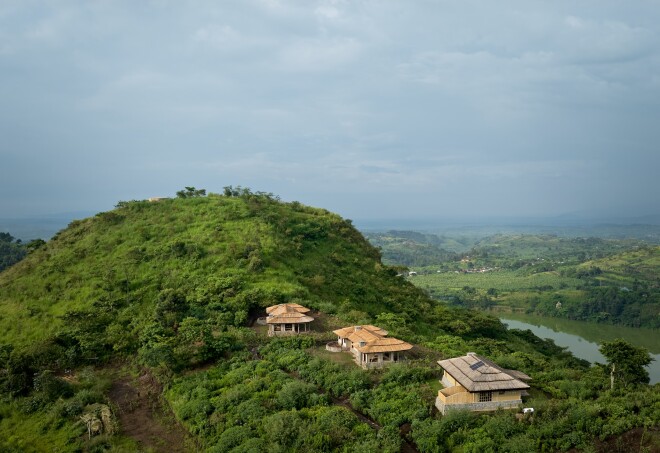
column 352, row 105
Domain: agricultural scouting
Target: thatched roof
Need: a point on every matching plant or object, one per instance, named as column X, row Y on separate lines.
column 384, row 345
column 373, row 339
column 361, row 333
column 286, row 308
column 287, row 314
column 478, row 374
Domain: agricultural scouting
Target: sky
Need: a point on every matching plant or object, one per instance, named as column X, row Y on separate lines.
column 371, row 109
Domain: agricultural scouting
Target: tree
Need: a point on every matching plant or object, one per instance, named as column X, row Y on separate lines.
column 11, row 250
column 191, row 192
column 626, row 362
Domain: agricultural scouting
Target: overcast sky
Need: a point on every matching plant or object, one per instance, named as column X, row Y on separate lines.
column 372, row 109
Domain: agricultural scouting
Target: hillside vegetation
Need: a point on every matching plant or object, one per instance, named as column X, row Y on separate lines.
column 167, row 291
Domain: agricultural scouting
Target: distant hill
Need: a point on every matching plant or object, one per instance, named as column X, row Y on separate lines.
column 40, row 227
column 410, row 248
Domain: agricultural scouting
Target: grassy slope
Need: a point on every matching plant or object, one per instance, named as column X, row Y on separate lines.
column 127, row 256
column 624, row 268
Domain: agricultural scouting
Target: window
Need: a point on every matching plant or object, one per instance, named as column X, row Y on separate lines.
column 485, row 397
column 502, row 392
column 386, row 356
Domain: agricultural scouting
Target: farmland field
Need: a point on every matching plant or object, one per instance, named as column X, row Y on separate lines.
column 613, row 281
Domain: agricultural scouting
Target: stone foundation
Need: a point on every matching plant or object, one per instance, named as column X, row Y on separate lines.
column 333, row 346
column 477, row 407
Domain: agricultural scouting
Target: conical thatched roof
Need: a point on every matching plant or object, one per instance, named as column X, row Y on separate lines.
column 361, row 333
column 287, row 313
column 286, row 308
column 385, row 345
column 478, row 374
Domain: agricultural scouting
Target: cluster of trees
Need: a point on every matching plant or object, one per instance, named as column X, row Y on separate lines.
column 13, row 250
column 253, row 405
column 191, row 192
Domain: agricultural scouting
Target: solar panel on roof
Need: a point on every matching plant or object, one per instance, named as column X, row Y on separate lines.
column 474, row 366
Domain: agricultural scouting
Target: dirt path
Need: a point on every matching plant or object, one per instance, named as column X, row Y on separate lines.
column 406, row 447
column 142, row 416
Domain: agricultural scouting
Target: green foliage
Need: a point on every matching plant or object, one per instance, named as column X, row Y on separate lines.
column 12, row 250
column 191, row 192
column 626, row 362
column 243, row 404
column 295, row 395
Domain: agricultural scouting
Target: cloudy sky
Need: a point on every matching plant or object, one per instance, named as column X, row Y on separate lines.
column 372, row 109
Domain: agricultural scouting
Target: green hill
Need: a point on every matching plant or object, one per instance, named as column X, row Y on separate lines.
column 216, row 257
column 409, row 248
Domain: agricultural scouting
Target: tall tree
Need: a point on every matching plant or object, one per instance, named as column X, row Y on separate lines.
column 626, row 362
column 11, row 250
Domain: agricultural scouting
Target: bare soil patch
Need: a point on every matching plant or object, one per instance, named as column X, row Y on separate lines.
column 143, row 417
column 638, row 440
column 635, row 440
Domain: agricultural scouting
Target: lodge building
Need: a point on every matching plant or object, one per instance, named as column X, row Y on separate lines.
column 478, row 384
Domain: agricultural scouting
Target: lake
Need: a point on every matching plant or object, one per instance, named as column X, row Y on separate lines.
column 582, row 338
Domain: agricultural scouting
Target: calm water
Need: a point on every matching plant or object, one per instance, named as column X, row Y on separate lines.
column 582, row 338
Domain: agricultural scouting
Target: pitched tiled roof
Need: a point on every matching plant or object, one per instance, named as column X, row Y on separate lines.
column 478, row 374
